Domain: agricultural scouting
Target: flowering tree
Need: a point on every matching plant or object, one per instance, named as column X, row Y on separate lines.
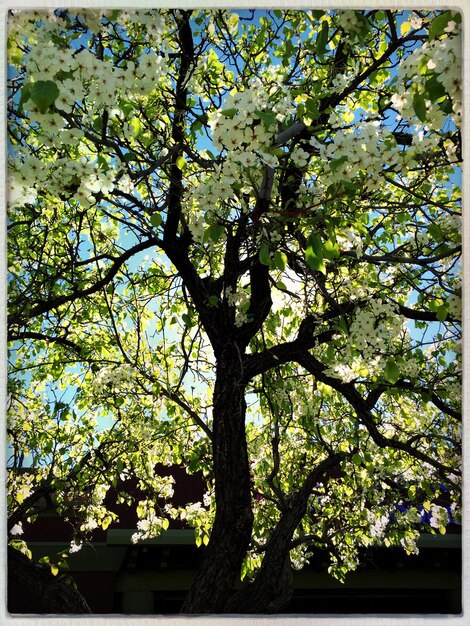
column 234, row 243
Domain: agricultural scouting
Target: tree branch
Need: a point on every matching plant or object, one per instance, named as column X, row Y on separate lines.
column 53, row 303
column 260, row 362
column 273, row 582
column 175, row 190
column 43, row 337
column 53, row 592
column 350, row 393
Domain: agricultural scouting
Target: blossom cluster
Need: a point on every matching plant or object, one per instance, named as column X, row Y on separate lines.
column 241, row 132
column 454, row 391
column 77, row 74
column 46, row 61
column 16, row 529
column 355, row 151
column 199, row 515
column 450, row 222
column 151, row 524
column 113, row 377
column 299, row 557
column 238, row 299
column 154, row 21
column 348, row 21
column 373, row 333
column 442, row 57
column 408, row 543
column 378, row 524
column 375, row 328
column 412, row 368
column 454, row 303
column 81, row 179
column 350, row 240
column 439, row 517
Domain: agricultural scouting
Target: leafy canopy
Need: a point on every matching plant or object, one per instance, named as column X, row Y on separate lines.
column 287, row 180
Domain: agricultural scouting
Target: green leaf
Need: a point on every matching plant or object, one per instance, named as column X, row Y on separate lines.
column 127, row 108
column 405, row 28
column 322, row 38
column 268, row 118
column 280, row 260
column 54, row 569
column 135, row 126
column 342, row 325
column 25, row 94
column 264, row 255
column 357, row 459
column 315, row 242
column 330, row 354
column 156, row 219
column 349, row 187
column 335, row 163
column 434, row 89
column 439, row 23
column 44, row 93
column 435, row 231
column 98, row 124
column 311, row 108
column 229, row 112
column 15, row 55
column 423, row 66
column 112, row 17
column 180, row 163
column 330, row 250
column 419, row 105
column 215, row 232
column 442, row 313
column 446, row 106
column 315, row 262
column 278, row 14
column 195, row 126
column 391, row 371
column 188, row 319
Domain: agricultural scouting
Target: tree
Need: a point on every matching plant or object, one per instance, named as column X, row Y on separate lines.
column 234, row 246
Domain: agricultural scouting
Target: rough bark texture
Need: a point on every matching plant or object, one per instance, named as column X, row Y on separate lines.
column 233, row 522
column 270, row 592
column 271, row 589
column 52, row 593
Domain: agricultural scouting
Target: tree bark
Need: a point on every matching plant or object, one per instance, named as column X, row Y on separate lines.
column 271, row 589
column 53, row 593
column 231, row 531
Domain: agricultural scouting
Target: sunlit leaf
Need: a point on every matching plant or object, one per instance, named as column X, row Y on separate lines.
column 43, row 94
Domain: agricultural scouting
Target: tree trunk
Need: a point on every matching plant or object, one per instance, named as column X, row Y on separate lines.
column 51, row 594
column 231, row 532
column 271, row 589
